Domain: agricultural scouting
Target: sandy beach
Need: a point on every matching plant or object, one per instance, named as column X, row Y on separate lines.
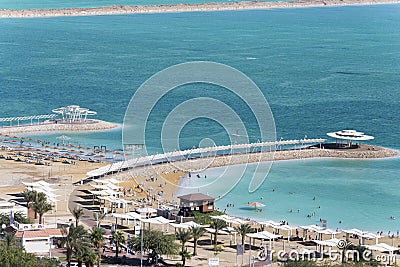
column 52, row 126
column 166, row 176
column 57, row 172
column 118, row 10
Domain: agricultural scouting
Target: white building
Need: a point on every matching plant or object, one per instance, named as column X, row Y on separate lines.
column 36, row 238
column 6, row 207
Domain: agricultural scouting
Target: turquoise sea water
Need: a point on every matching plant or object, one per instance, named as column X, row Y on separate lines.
column 321, row 70
column 49, row 4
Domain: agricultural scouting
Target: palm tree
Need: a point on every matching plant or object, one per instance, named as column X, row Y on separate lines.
column 76, row 240
column 183, row 236
column 156, row 242
column 41, row 206
column 217, row 225
column 77, row 213
column 243, row 230
column 185, row 255
column 97, row 238
column 85, row 254
column 9, row 240
column 29, row 197
column 118, row 238
column 196, row 232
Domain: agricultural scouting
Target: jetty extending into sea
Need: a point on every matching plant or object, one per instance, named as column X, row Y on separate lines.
column 217, row 156
column 73, row 118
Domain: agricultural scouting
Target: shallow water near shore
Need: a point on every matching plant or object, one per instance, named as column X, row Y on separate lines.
column 348, row 193
column 321, row 70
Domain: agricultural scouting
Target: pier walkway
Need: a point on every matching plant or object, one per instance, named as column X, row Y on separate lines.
column 198, row 153
column 27, row 118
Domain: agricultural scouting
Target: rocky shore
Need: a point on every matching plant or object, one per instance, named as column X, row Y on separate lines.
column 118, row 10
column 51, row 126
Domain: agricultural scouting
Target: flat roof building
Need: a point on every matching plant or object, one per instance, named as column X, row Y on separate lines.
column 196, row 202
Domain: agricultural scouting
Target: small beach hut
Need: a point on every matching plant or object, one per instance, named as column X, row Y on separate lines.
column 196, row 202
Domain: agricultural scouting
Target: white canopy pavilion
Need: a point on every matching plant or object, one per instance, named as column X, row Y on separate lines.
column 43, row 187
column 382, row 247
column 333, row 242
column 362, row 235
column 73, row 113
column 310, row 228
column 371, row 236
column 148, row 212
column 186, row 225
column 269, row 223
column 229, row 220
column 264, row 235
column 126, row 216
column 212, row 231
column 157, row 220
column 331, row 232
column 40, row 184
column 287, row 228
column 350, row 136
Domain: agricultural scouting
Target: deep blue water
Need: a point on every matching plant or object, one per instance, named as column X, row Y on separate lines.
column 321, row 70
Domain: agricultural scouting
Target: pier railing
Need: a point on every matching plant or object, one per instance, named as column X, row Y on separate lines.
column 27, row 118
column 197, row 153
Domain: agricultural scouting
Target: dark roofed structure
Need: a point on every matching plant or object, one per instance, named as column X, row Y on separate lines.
column 196, row 202
column 196, row 197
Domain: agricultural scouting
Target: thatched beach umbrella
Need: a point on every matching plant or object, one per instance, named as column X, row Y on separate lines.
column 255, row 204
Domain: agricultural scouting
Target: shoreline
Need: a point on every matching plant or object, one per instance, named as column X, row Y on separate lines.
column 141, row 175
column 198, row 164
column 178, row 169
column 175, row 8
column 49, row 126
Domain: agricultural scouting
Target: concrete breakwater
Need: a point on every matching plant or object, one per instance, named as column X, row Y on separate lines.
column 51, row 126
column 193, row 165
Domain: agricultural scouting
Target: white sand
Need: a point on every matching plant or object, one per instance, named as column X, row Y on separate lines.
column 114, row 10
